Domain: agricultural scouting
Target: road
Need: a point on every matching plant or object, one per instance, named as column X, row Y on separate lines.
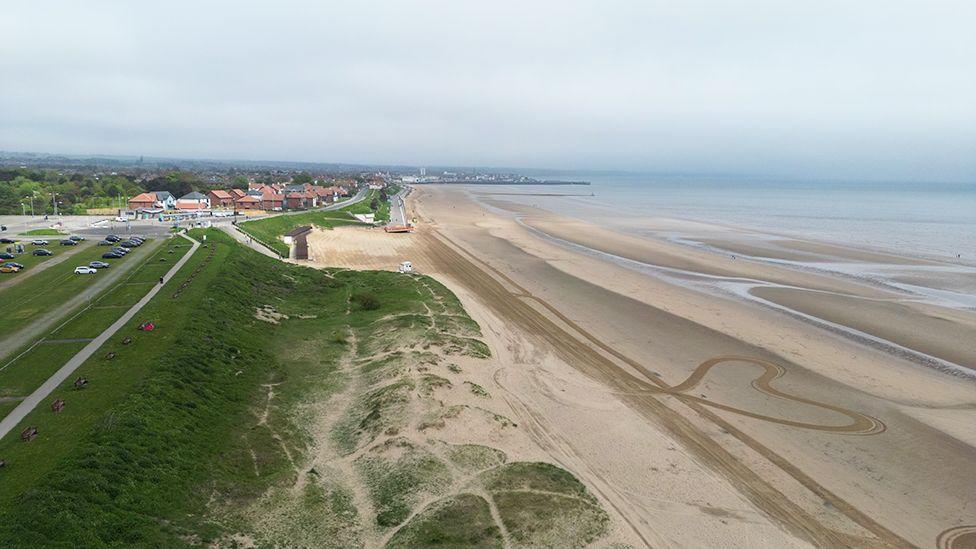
column 398, row 214
column 41, row 393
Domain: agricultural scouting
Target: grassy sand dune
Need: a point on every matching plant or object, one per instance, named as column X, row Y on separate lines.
column 276, row 405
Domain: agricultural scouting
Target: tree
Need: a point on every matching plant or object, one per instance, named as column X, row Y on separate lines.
column 302, row 178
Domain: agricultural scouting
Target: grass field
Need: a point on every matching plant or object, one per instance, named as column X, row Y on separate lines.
column 210, row 429
column 42, row 232
column 28, row 260
column 24, row 370
column 34, row 296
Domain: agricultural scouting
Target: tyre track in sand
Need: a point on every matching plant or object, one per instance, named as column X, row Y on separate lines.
column 643, row 394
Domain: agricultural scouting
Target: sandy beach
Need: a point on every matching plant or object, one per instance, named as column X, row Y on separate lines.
column 711, row 390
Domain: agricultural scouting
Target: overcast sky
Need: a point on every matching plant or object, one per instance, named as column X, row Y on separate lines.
column 814, row 89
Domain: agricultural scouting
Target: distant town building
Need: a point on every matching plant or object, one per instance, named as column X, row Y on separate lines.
column 193, row 201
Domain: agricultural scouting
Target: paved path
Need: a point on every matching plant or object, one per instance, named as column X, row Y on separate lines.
column 39, row 325
column 41, row 393
column 246, row 240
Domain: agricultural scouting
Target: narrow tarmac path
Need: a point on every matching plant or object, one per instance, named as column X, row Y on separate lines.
column 19, row 338
column 41, row 393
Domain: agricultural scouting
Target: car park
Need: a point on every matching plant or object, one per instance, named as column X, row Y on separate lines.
column 111, row 255
column 76, row 238
column 42, row 251
column 39, row 242
column 85, row 270
column 68, row 242
column 99, row 265
column 112, row 238
column 104, row 243
column 128, row 244
column 120, row 250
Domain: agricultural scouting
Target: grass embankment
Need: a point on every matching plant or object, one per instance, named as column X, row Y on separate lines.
column 24, row 370
column 284, row 404
column 365, row 206
column 43, row 232
column 269, row 231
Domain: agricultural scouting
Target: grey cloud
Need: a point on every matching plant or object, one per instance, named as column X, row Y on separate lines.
column 806, row 89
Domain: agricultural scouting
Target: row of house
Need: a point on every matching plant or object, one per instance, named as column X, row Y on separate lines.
column 275, row 197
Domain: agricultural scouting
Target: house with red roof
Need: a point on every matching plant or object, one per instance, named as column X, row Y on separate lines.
column 220, row 199
column 273, row 201
column 193, row 202
column 248, row 202
column 142, row 201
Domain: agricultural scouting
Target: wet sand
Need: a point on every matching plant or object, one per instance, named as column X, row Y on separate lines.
column 698, row 419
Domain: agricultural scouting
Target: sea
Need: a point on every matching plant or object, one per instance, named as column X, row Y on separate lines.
column 930, row 220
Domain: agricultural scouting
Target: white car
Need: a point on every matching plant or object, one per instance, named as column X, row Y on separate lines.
column 120, row 219
column 85, row 270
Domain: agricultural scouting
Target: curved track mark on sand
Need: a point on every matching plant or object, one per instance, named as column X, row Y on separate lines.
column 860, row 424
column 596, row 358
column 960, row 537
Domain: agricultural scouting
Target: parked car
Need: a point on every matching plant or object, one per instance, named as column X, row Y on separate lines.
column 76, row 238
column 99, row 265
column 8, row 268
column 128, row 244
column 120, row 219
column 112, row 238
column 5, row 255
column 104, row 243
column 39, row 242
column 120, row 250
column 68, row 242
column 111, row 255
column 7, row 241
column 85, row 270
column 42, row 251
column 18, row 265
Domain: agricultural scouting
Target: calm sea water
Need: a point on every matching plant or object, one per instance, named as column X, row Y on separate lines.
column 918, row 219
